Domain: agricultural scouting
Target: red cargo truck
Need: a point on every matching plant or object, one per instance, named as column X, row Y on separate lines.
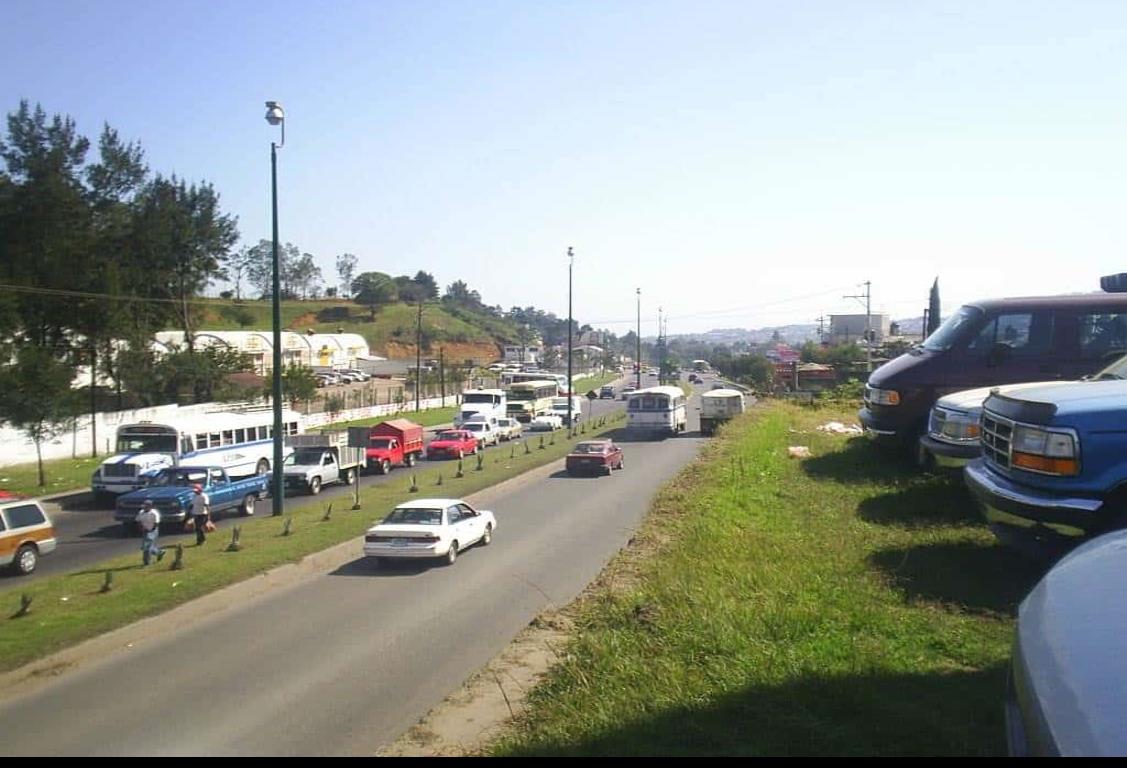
column 392, row 443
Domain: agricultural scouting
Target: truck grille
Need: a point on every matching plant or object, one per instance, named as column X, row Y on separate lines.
column 119, row 470
column 997, row 432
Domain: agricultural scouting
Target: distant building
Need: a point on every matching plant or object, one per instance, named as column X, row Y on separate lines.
column 849, row 329
column 782, row 353
column 523, row 353
column 313, row 350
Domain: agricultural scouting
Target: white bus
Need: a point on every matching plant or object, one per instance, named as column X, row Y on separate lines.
column 529, row 399
column 508, row 379
column 239, row 442
column 482, row 404
column 656, row 410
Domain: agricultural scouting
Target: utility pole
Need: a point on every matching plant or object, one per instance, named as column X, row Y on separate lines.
column 923, row 328
column 638, row 354
column 821, row 319
column 418, row 354
column 660, row 348
column 570, row 264
column 442, row 373
column 867, row 296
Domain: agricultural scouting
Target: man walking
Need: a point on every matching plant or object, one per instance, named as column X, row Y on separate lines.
column 148, row 520
column 201, row 513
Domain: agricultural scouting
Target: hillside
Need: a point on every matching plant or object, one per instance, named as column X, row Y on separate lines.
column 462, row 332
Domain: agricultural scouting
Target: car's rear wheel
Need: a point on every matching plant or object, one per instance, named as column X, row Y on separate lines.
column 452, row 553
column 487, row 537
column 248, row 504
column 27, row 557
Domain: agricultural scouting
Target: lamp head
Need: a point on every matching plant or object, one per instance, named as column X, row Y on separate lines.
column 274, row 113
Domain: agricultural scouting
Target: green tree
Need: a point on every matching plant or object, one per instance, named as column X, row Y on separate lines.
column 371, row 289
column 428, row 283
column 459, row 293
column 346, row 270
column 237, row 314
column 298, row 384
column 36, row 396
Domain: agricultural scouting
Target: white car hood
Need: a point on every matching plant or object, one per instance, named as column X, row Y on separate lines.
column 972, row 399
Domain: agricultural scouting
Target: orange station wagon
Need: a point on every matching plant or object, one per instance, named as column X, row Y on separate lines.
column 26, row 533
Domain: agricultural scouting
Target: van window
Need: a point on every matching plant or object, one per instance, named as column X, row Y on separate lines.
column 953, row 329
column 24, row 515
column 1025, row 333
column 1102, row 335
column 2, row 526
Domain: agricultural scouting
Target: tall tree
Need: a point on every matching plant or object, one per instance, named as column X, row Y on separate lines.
column 346, row 270
column 239, row 265
column 933, row 318
column 371, row 289
column 306, row 275
column 36, row 396
column 428, row 283
column 459, row 293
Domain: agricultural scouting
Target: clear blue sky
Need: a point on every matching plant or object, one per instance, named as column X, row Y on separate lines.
column 722, row 156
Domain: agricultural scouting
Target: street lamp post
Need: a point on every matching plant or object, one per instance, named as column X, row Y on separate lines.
column 638, row 358
column 570, row 264
column 275, row 115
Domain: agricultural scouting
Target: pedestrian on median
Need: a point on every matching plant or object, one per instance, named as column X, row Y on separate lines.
column 201, row 512
column 148, row 520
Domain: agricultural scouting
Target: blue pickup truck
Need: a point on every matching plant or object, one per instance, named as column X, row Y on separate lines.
column 171, row 493
column 1054, row 462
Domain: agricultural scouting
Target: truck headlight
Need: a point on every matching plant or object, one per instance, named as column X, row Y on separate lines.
column 1046, row 451
column 882, row 396
column 955, row 426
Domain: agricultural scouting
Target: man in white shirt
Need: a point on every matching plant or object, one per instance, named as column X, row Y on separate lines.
column 148, row 520
column 201, row 512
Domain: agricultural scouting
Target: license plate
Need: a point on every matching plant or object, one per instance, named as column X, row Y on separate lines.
column 400, row 542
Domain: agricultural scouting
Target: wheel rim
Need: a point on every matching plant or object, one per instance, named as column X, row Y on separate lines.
column 452, row 553
column 385, row 467
column 488, row 536
column 248, row 504
column 27, row 560
column 315, row 485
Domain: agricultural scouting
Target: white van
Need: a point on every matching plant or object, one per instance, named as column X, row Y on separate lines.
column 559, row 407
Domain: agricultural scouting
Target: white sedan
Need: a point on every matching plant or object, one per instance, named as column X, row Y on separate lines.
column 434, row 528
column 508, row 429
column 546, row 422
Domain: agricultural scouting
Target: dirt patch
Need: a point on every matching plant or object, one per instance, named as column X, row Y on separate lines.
column 454, row 351
column 308, row 320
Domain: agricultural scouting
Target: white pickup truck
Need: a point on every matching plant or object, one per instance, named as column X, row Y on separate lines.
column 321, row 459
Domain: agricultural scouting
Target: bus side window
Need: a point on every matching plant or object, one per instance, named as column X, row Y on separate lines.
column 186, row 445
column 201, row 441
column 240, row 436
column 228, row 437
column 214, row 440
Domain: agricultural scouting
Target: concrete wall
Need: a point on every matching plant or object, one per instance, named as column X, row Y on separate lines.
column 16, row 448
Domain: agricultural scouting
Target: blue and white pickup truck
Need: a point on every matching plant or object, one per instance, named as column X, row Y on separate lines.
column 171, row 493
column 1054, row 462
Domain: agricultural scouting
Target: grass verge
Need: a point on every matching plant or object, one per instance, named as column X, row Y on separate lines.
column 61, row 475
column 837, row 605
column 428, row 418
column 69, row 608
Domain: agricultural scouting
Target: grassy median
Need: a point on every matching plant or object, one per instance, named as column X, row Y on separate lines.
column 69, row 608
column 841, row 604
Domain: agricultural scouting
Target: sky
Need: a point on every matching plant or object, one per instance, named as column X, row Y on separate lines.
column 745, row 164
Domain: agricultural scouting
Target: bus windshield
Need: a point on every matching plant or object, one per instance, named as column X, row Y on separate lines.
column 132, row 443
column 481, row 398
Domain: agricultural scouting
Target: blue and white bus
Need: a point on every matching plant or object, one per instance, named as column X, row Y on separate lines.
column 657, row 410
column 241, row 442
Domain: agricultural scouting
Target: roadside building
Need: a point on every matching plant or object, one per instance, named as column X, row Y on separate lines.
column 850, row 329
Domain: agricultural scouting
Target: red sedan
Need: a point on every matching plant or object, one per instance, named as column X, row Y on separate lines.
column 600, row 456
column 452, row 442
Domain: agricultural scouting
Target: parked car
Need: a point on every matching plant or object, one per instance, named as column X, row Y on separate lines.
column 606, row 392
column 546, row 422
column 601, row 456
column 26, row 534
column 484, row 431
column 452, row 443
column 1068, row 675
column 988, row 343
column 508, row 429
column 429, row 528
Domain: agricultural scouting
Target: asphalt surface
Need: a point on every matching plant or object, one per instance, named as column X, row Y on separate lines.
column 344, row 662
column 88, row 534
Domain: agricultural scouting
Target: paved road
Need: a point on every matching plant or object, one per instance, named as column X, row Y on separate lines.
column 344, row 662
column 88, row 534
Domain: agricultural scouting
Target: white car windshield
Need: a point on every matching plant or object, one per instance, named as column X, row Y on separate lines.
column 414, row 516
